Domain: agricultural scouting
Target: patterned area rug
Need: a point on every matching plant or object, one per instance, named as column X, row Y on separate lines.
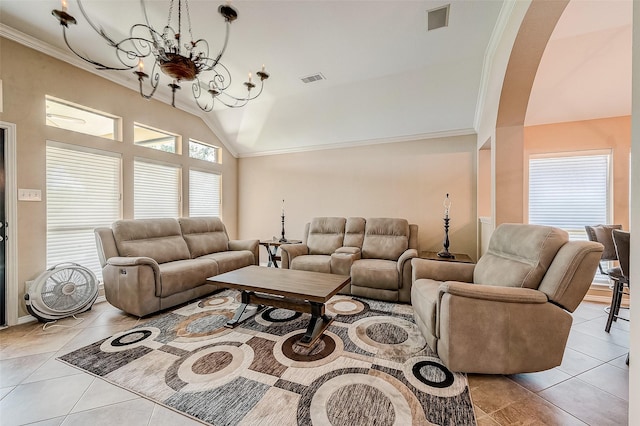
column 372, row 367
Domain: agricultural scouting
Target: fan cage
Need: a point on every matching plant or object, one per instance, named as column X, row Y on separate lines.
column 62, row 290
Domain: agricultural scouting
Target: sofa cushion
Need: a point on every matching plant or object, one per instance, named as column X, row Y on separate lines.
column 312, row 263
column 385, row 238
column 375, row 273
column 354, row 232
column 231, row 260
column 519, row 255
column 204, row 235
column 159, row 239
column 184, row 275
column 326, row 234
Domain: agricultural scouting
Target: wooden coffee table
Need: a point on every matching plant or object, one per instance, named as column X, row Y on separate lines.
column 299, row 291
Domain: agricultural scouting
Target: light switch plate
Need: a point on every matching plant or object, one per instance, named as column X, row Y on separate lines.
column 29, row 195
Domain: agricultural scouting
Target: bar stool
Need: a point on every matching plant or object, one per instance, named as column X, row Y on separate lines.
column 603, row 234
column 621, row 240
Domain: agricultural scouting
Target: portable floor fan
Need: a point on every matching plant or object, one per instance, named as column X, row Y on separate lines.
column 63, row 290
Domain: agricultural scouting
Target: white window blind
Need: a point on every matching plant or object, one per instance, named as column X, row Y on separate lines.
column 204, row 194
column 569, row 192
column 83, row 193
column 156, row 190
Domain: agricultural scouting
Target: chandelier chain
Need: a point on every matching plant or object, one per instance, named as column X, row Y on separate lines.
column 189, row 21
column 169, row 18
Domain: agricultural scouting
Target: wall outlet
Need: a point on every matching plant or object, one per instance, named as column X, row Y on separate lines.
column 29, row 195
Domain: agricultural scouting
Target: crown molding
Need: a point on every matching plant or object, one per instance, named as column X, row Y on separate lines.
column 367, row 142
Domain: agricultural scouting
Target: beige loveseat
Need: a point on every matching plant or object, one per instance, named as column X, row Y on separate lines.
column 153, row 264
column 376, row 252
column 510, row 312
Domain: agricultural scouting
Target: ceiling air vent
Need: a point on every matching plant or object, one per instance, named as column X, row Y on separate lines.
column 437, row 18
column 312, row 78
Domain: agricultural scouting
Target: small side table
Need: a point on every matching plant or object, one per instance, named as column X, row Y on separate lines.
column 458, row 257
column 272, row 249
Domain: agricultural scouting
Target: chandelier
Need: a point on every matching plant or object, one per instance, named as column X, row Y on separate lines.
column 181, row 61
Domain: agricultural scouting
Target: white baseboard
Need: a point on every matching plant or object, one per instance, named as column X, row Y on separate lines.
column 26, row 319
column 30, row 318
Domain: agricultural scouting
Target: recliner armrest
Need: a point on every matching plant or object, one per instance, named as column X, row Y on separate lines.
column 288, row 252
column 128, row 262
column 442, row 271
column 251, row 245
column 341, row 261
column 132, row 261
column 493, row 293
column 406, row 256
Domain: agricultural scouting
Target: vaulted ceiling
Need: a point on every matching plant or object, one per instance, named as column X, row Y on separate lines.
column 386, row 77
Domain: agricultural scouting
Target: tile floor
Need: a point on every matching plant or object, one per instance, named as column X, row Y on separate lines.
column 590, row 387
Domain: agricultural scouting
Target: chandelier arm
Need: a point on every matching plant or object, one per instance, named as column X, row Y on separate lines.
column 154, row 34
column 216, row 61
column 100, row 31
column 231, row 105
column 154, row 86
column 248, row 97
column 223, row 78
column 145, row 46
column 119, row 50
column 97, row 64
column 196, row 90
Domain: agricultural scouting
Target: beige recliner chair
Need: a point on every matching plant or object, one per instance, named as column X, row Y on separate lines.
column 508, row 313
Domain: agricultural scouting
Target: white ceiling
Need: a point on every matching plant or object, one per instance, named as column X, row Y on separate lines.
column 387, row 78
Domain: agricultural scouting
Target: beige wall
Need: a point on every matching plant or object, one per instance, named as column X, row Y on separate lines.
column 407, row 180
column 603, row 134
column 28, row 76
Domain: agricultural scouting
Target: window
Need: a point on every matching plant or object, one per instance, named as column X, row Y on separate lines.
column 203, row 151
column 156, row 190
column 81, row 119
column 83, row 193
column 204, row 194
column 570, row 192
column 153, row 138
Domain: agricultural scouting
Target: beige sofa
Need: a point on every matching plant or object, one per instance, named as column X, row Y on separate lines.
column 153, row 264
column 376, row 252
column 510, row 312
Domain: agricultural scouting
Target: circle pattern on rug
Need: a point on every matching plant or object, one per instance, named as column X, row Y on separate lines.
column 205, row 324
column 340, row 399
column 342, row 410
column 430, row 375
column 214, row 366
column 275, row 315
column 345, row 306
column 324, row 347
column 216, row 302
column 126, row 340
column 288, row 352
column 387, row 336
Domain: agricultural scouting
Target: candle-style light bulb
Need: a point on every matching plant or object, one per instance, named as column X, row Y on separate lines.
column 64, row 5
column 140, row 65
column 262, row 67
column 249, row 77
column 447, row 206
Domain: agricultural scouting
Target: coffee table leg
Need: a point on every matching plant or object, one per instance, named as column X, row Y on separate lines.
column 317, row 325
column 242, row 314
